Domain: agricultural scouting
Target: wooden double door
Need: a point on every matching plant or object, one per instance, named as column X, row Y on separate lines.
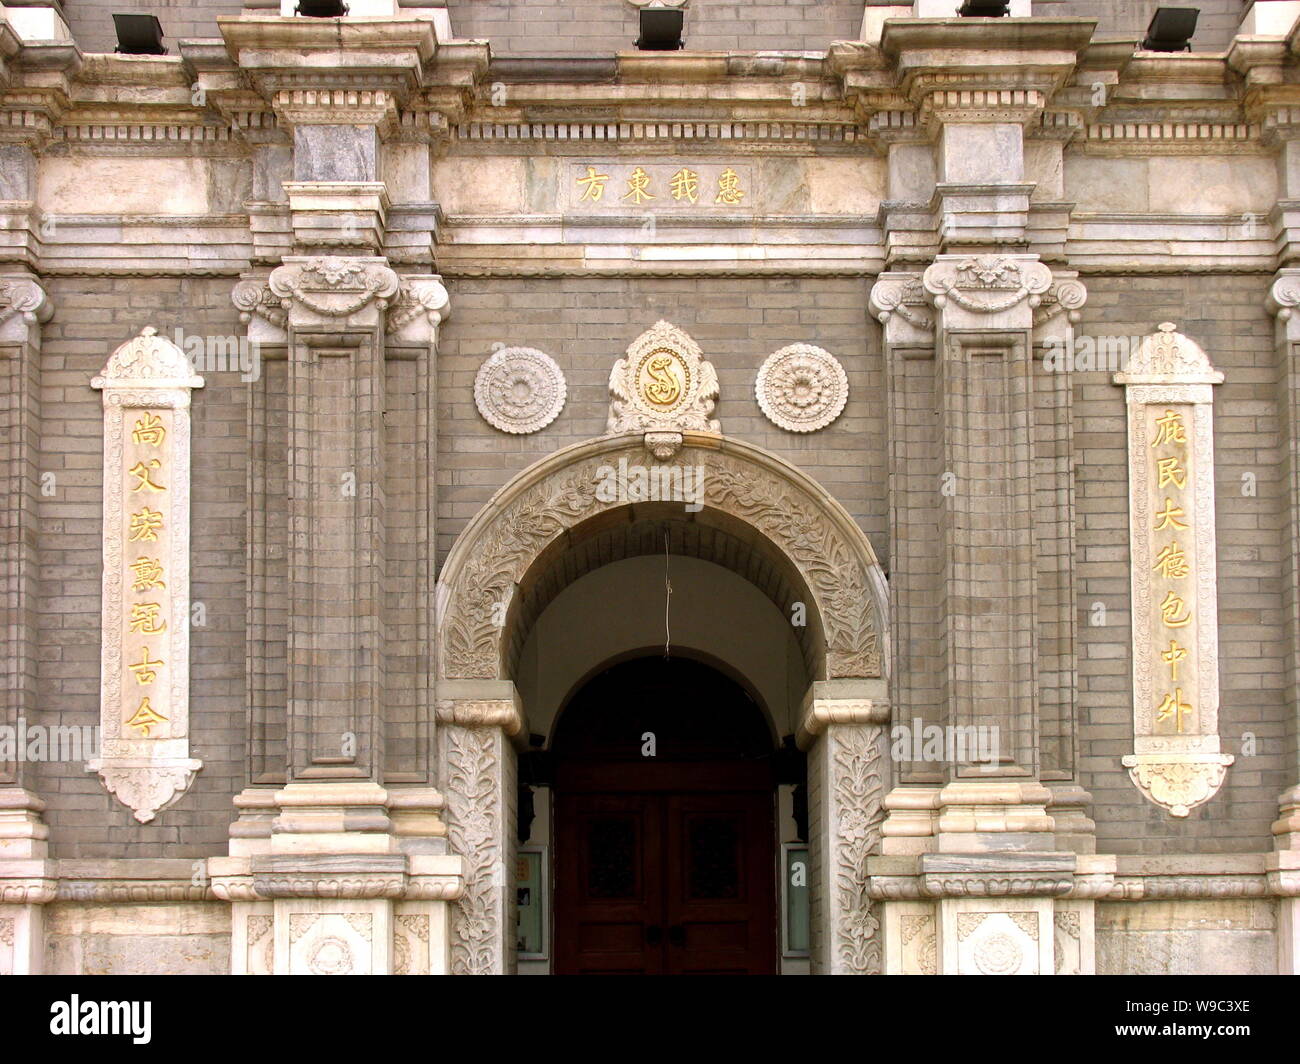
column 665, row 883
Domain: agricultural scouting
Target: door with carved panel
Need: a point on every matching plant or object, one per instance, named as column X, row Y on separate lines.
column 664, row 863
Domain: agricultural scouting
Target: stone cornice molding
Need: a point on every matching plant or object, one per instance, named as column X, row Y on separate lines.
column 322, row 71
column 394, row 876
column 35, row 88
column 987, row 875
column 27, row 882
column 1258, row 60
column 1003, row 70
column 1102, row 877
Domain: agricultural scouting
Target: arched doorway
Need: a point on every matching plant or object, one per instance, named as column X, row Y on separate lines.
column 751, row 516
column 664, row 802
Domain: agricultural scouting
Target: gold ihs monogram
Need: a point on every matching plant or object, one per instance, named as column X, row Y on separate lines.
column 661, row 385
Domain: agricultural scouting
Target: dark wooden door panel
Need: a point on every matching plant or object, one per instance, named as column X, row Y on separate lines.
column 655, row 883
column 609, row 889
column 719, row 890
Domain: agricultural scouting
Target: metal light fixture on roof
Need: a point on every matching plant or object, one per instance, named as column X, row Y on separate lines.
column 321, row 8
column 139, row 35
column 984, row 8
column 661, row 29
column 1171, row 29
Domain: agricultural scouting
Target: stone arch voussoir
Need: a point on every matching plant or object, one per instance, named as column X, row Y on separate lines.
column 822, row 543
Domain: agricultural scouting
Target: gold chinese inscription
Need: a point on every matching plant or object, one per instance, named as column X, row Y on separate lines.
column 145, row 611
column 662, row 377
column 593, row 184
column 1173, row 563
column 638, row 186
column 729, row 190
column 145, row 718
column 146, row 670
column 149, row 430
column 685, row 185
column 646, row 185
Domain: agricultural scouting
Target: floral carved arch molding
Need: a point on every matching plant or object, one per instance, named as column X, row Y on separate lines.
column 799, row 519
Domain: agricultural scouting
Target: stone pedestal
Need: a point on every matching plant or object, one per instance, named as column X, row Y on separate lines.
column 339, row 878
column 28, row 882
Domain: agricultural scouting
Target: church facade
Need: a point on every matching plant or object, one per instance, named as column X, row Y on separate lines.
column 484, row 497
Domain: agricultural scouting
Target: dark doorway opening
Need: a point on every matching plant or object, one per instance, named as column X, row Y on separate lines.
column 665, row 839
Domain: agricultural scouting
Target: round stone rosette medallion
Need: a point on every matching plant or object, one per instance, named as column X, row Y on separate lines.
column 998, row 954
column 519, row 390
column 801, row 388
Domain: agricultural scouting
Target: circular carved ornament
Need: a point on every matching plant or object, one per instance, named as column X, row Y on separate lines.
column 519, row 390
column 801, row 388
column 998, row 954
column 330, row 956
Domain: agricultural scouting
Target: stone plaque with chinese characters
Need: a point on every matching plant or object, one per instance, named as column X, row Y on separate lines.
column 1176, row 761
column 144, row 685
column 705, row 188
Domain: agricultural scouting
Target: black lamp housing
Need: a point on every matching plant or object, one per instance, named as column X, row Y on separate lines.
column 321, row 8
column 984, row 8
column 1171, row 29
column 661, row 29
column 139, row 35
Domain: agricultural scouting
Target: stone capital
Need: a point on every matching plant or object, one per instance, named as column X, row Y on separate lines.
column 333, row 295
column 986, row 291
column 24, row 305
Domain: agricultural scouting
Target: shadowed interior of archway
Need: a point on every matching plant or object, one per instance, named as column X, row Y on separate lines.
column 655, row 529
column 609, row 714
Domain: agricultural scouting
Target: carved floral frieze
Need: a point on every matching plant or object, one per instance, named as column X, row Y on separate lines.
column 842, row 581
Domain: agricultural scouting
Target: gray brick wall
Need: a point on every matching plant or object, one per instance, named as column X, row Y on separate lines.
column 561, row 27
column 1226, row 316
column 586, row 324
column 1128, row 19
column 91, row 21
column 600, row 27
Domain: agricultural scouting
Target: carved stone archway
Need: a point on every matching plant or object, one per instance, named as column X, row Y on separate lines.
column 736, row 485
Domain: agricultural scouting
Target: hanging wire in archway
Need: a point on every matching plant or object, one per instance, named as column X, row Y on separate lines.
column 668, row 594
